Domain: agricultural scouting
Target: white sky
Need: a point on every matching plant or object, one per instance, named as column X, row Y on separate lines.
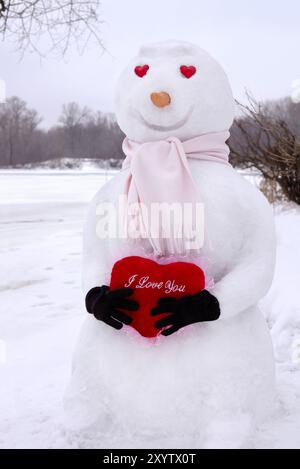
column 257, row 42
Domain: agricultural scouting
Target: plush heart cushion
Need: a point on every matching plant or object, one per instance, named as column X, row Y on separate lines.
column 152, row 281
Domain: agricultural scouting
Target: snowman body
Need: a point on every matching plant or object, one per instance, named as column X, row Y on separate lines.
column 189, row 384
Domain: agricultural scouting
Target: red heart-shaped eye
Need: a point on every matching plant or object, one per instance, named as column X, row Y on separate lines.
column 188, row 71
column 141, row 70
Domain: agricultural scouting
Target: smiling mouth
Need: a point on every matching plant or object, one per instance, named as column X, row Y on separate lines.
column 167, row 128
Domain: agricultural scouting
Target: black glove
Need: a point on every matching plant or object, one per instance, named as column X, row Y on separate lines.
column 104, row 304
column 186, row 310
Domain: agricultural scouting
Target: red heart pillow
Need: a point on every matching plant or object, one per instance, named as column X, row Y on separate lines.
column 152, row 281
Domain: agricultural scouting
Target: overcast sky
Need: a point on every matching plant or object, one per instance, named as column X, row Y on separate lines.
column 257, row 42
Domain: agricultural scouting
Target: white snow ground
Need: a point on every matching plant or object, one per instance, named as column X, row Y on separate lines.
column 41, row 310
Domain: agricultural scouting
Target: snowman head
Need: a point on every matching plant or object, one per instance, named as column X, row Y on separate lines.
column 173, row 89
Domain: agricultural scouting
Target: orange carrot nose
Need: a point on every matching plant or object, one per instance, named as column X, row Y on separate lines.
column 161, row 99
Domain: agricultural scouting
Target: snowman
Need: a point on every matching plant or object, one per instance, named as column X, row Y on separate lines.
column 209, row 379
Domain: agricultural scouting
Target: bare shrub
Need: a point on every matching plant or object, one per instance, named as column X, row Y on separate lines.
column 262, row 138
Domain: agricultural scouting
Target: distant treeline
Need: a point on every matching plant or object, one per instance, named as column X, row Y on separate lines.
column 80, row 133
column 264, row 137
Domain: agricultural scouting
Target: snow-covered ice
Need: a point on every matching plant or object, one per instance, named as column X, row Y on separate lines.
column 41, row 304
column 42, row 311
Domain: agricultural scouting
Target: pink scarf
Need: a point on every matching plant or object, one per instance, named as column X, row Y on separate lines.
column 159, row 172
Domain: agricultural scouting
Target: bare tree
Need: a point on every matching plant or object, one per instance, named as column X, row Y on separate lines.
column 56, row 22
column 73, row 119
column 17, row 127
column 72, row 115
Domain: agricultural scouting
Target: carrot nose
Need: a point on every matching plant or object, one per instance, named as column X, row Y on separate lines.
column 161, row 99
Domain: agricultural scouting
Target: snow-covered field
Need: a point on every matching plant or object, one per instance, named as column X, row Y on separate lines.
column 41, row 308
